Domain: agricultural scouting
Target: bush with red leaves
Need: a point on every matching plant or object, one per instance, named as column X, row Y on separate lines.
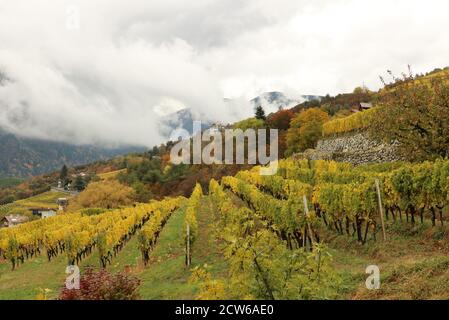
column 102, row 285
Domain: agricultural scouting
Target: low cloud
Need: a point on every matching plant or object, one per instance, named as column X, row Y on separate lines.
column 129, row 65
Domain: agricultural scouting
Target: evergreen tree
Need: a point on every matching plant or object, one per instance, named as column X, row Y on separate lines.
column 260, row 113
column 64, row 175
column 79, row 184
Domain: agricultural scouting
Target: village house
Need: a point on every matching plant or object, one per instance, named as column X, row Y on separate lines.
column 43, row 212
column 365, row 106
column 12, row 220
column 362, row 106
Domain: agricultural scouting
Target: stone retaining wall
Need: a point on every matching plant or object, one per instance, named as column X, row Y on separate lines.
column 356, row 148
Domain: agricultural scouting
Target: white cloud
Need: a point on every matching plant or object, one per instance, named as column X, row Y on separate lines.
column 129, row 64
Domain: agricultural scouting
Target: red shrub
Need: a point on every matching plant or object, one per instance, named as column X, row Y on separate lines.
column 102, row 285
column 280, row 120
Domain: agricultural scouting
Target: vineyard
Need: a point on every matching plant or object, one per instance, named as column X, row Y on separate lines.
column 261, row 265
column 250, row 237
column 77, row 235
column 354, row 122
column 345, row 198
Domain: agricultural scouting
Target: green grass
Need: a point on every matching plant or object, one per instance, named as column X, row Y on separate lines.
column 129, row 256
column 413, row 262
column 25, row 282
column 167, row 276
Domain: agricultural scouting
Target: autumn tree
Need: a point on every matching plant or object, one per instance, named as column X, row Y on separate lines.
column 280, row 120
column 361, row 90
column 142, row 192
column 415, row 114
column 105, row 194
column 305, row 130
column 282, row 144
column 251, row 123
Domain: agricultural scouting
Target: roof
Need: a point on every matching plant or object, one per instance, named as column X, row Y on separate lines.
column 366, row 105
column 15, row 218
column 42, row 209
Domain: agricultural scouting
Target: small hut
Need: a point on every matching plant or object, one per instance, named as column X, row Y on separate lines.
column 12, row 220
column 365, row 106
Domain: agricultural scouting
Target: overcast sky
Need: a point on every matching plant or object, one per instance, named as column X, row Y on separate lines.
column 105, row 71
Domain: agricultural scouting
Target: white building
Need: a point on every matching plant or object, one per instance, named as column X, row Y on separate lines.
column 43, row 213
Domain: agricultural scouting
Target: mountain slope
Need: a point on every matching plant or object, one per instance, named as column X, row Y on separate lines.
column 273, row 101
column 182, row 119
column 23, row 157
column 270, row 101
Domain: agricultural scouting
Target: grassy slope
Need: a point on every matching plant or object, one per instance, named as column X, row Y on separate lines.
column 9, row 182
column 44, row 200
column 413, row 263
column 24, row 283
column 165, row 278
column 110, row 175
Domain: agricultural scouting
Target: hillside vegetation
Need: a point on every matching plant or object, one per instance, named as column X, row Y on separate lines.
column 226, row 232
column 9, row 182
column 253, row 227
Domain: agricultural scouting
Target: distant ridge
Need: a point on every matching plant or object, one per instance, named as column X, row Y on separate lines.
column 24, row 157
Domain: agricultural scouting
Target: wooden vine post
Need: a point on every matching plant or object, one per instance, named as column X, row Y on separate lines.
column 188, row 246
column 381, row 210
column 306, row 214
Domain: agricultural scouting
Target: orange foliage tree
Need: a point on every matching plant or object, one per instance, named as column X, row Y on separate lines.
column 105, row 194
column 305, row 130
column 280, row 120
